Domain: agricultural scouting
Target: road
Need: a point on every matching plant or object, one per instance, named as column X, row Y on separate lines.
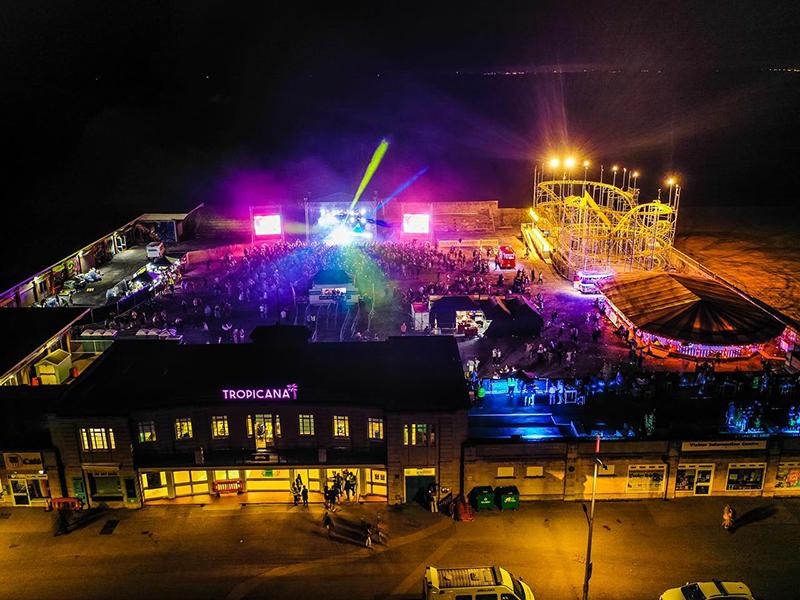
column 641, row 548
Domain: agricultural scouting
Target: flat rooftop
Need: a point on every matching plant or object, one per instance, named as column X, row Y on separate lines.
column 401, row 373
column 26, row 330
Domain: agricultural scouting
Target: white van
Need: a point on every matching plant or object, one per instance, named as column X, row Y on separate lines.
column 155, row 249
column 474, row 583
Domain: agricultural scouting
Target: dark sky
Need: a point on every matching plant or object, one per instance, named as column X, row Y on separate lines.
column 118, row 107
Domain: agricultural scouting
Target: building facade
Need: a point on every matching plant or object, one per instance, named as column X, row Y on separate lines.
column 164, row 423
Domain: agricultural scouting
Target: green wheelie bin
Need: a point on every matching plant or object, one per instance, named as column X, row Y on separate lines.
column 482, row 497
column 507, row 497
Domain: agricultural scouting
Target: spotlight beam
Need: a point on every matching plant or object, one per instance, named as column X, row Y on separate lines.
column 377, row 157
column 402, row 188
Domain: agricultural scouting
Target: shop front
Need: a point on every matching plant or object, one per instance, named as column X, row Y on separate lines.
column 694, row 480
column 24, row 480
column 259, row 484
column 105, row 485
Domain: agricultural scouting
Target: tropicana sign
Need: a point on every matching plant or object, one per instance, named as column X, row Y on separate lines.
column 288, row 392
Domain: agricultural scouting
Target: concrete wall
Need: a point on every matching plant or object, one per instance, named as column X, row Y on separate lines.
column 636, row 469
column 444, row 454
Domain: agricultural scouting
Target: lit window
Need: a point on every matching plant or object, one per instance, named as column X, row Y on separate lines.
column 219, row 427
column 375, row 429
column 147, row 431
column 306, row 424
column 183, row 429
column 417, row 434
column 505, row 472
column 341, row 426
column 249, row 426
column 97, row 438
column 277, row 426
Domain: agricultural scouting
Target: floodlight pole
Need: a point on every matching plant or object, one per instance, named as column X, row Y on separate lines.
column 587, row 572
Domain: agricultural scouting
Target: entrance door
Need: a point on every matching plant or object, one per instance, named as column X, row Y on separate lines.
column 417, row 486
column 19, row 492
column 264, row 433
column 79, row 488
column 702, row 483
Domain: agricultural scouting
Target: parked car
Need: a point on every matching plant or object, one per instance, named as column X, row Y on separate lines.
column 710, row 590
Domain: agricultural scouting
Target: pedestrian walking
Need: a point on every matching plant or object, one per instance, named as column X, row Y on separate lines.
column 327, row 523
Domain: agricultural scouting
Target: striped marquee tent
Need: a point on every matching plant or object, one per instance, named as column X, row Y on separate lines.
column 689, row 309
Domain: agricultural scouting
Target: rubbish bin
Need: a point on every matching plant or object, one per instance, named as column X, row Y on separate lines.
column 507, row 498
column 482, row 497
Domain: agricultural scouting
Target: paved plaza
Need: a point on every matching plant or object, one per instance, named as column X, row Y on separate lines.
column 640, row 549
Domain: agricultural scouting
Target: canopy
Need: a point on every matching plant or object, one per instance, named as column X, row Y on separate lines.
column 332, row 277
column 689, row 309
column 509, row 316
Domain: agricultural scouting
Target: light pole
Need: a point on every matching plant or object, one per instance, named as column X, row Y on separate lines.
column 670, row 183
column 635, row 177
column 587, row 572
column 614, row 169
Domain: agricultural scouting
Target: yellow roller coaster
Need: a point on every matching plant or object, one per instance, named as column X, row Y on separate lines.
column 586, row 225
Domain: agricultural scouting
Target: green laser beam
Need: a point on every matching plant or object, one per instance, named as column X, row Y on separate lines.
column 377, row 157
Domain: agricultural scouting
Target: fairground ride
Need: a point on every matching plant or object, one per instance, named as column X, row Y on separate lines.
column 585, row 226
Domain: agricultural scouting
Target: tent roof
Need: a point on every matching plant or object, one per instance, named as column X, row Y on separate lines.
column 690, row 309
column 332, row 276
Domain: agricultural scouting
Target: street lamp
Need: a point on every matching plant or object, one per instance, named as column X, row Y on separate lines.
column 614, row 169
column 671, row 181
column 587, row 572
column 554, row 163
column 635, row 175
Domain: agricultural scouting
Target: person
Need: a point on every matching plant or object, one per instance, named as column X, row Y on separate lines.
column 368, row 535
column 304, row 494
column 539, row 280
column 728, row 517
column 327, row 523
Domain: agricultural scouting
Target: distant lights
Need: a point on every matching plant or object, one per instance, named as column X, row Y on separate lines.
column 586, row 164
column 671, row 181
column 615, row 168
column 635, row 174
column 569, row 162
column 554, row 163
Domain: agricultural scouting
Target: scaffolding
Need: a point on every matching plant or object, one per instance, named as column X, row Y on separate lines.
column 592, row 226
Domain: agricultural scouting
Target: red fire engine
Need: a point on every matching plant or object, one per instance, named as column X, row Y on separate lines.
column 505, row 258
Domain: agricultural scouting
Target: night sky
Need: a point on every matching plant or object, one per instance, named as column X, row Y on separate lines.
column 111, row 109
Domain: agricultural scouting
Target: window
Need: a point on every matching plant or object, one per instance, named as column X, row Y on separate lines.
column 147, row 431
column 646, row 478
column 749, row 476
column 416, row 434
column 97, row 438
column 277, row 426
column 534, row 471
column 375, row 429
column 306, row 424
column 341, row 426
column 183, row 429
column 219, row 427
column 507, row 472
column 249, row 426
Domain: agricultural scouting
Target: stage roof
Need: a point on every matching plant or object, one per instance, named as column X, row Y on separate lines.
column 690, row 309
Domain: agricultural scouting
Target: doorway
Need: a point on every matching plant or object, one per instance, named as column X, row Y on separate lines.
column 417, row 487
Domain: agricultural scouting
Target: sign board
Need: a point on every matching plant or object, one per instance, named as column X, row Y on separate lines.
column 724, row 445
column 22, row 461
column 288, row 392
column 417, row 472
